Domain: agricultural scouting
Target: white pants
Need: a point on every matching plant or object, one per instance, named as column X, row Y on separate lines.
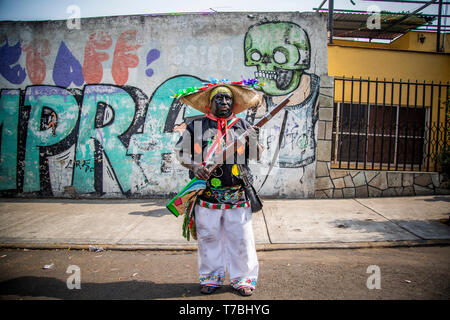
column 226, row 241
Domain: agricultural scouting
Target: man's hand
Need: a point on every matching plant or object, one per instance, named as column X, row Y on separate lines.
column 201, row 172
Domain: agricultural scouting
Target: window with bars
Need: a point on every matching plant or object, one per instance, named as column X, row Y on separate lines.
column 378, row 135
column 369, row 135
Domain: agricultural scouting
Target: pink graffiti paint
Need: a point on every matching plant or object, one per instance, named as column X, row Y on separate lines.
column 123, row 59
column 92, row 65
column 35, row 65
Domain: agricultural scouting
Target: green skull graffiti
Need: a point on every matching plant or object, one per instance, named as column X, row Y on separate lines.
column 280, row 52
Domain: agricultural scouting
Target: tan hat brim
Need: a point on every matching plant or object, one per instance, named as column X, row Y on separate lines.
column 243, row 98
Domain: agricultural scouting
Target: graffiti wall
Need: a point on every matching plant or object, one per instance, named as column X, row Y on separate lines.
column 90, row 110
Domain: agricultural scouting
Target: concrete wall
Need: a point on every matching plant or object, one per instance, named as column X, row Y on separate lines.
column 89, row 111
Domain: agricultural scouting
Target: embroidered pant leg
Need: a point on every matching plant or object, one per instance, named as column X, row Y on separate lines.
column 242, row 261
column 211, row 265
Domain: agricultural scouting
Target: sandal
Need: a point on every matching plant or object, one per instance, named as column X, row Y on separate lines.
column 208, row 289
column 245, row 291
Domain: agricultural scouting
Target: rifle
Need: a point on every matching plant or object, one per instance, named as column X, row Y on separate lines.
column 184, row 201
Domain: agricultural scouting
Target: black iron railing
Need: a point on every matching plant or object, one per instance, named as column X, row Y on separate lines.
column 389, row 125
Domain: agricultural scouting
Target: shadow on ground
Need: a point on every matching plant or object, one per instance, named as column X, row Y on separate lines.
column 123, row 290
column 426, row 229
column 152, row 213
column 160, row 209
column 437, row 198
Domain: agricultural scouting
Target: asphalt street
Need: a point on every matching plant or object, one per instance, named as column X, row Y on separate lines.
column 406, row 273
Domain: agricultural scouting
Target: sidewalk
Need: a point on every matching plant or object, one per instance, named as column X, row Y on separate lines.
column 130, row 224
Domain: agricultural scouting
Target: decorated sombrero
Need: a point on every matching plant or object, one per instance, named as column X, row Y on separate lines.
column 243, row 92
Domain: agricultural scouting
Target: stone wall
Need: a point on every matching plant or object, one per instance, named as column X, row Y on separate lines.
column 362, row 184
column 324, row 187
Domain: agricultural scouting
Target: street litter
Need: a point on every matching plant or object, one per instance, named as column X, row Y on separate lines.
column 95, row 249
column 407, row 281
column 48, row 266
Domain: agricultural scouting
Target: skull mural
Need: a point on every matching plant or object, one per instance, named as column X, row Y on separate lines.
column 281, row 52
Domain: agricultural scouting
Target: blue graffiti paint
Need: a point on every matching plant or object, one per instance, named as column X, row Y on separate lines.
column 9, row 119
column 121, row 106
column 152, row 55
column 65, row 108
column 9, row 55
column 67, row 69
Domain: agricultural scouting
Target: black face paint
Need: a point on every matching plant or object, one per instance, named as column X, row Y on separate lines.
column 222, row 105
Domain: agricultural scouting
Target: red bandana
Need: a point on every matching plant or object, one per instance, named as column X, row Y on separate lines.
column 223, row 124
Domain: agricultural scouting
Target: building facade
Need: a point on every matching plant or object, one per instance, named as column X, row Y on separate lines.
column 389, row 119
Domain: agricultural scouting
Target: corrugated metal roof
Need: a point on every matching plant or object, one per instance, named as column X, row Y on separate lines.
column 355, row 25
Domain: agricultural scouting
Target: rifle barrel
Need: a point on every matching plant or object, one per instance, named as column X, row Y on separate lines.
column 274, row 111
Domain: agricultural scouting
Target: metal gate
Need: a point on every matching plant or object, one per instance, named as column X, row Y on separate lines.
column 389, row 125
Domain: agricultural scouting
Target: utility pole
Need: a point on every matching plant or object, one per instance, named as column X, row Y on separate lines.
column 438, row 35
column 330, row 19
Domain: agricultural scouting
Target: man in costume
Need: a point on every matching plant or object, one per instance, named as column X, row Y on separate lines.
column 222, row 213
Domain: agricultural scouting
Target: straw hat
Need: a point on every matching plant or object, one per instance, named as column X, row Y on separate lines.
column 244, row 97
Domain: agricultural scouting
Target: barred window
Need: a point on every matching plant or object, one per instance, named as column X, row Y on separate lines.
column 378, row 134
column 371, row 131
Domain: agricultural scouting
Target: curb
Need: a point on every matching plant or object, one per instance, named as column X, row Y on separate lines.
column 259, row 247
